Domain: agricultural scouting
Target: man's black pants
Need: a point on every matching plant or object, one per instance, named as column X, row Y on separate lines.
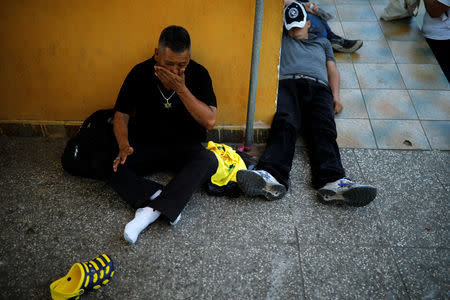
column 307, row 105
column 193, row 164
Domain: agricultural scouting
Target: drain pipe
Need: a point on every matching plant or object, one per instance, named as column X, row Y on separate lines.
column 257, row 30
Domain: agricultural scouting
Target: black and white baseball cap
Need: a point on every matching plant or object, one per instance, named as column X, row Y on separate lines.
column 294, row 15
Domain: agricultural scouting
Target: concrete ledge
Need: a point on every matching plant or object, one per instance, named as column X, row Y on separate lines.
column 39, row 128
column 63, row 129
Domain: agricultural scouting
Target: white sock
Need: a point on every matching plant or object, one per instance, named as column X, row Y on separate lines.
column 176, row 220
column 144, row 217
column 156, row 194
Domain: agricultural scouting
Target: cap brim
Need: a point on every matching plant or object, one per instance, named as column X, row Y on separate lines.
column 295, row 25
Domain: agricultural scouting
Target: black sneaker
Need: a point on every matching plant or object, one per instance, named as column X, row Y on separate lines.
column 260, row 183
column 344, row 45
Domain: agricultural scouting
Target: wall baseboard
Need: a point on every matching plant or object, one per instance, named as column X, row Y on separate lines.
column 222, row 134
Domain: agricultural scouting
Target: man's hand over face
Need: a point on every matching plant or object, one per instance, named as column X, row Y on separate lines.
column 169, row 79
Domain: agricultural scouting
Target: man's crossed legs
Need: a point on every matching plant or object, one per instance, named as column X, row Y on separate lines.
column 193, row 166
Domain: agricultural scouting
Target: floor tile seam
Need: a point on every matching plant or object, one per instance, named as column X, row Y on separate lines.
column 370, row 121
column 396, row 119
column 401, row 75
column 302, row 275
column 403, row 119
column 406, row 63
column 342, row 245
column 347, row 118
column 381, row 246
column 439, row 180
column 389, row 41
column 338, row 16
column 365, row 21
column 379, row 63
column 398, row 150
column 362, row 148
column 390, row 49
column 383, row 149
column 376, row 21
column 384, row 88
column 386, row 38
column 377, row 210
column 379, row 24
column 418, row 120
column 399, row 272
column 428, row 90
column 420, row 248
column 411, row 99
column 357, row 77
column 417, row 113
column 358, row 20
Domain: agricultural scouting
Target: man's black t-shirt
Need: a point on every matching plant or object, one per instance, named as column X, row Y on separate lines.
column 153, row 123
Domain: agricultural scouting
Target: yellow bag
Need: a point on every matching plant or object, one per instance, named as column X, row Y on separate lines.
column 229, row 163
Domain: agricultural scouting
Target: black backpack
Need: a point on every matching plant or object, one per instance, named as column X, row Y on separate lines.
column 91, row 152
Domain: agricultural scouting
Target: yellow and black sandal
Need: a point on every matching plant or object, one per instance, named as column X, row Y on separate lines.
column 82, row 278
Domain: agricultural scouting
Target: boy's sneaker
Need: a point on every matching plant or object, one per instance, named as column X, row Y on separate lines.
column 346, row 191
column 344, row 45
column 260, row 183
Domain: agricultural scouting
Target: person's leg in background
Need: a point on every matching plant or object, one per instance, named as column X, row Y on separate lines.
column 338, row 43
column 320, row 28
column 440, row 50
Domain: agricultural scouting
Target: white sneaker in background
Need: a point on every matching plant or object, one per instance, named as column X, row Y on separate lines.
column 346, row 191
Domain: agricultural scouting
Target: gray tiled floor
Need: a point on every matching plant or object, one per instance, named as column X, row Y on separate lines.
column 397, row 247
column 389, row 104
column 392, row 88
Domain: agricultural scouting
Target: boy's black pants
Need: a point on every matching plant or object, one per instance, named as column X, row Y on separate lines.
column 307, row 105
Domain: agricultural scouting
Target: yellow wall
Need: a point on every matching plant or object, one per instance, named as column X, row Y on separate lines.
column 62, row 60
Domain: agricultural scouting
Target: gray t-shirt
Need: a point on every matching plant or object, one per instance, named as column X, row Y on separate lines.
column 307, row 57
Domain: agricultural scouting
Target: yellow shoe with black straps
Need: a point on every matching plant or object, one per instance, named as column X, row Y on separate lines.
column 82, row 278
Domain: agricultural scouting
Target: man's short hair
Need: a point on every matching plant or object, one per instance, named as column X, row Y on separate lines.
column 176, row 38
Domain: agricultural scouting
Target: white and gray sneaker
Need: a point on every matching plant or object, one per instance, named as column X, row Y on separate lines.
column 260, row 183
column 346, row 191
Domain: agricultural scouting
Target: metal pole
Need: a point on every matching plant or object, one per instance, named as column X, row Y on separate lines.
column 257, row 30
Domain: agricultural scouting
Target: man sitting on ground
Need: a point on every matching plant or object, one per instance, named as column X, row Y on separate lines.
column 169, row 103
column 308, row 97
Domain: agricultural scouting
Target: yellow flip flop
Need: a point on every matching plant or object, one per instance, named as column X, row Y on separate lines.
column 82, row 278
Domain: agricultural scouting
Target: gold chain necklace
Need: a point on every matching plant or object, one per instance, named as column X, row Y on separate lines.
column 167, row 105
